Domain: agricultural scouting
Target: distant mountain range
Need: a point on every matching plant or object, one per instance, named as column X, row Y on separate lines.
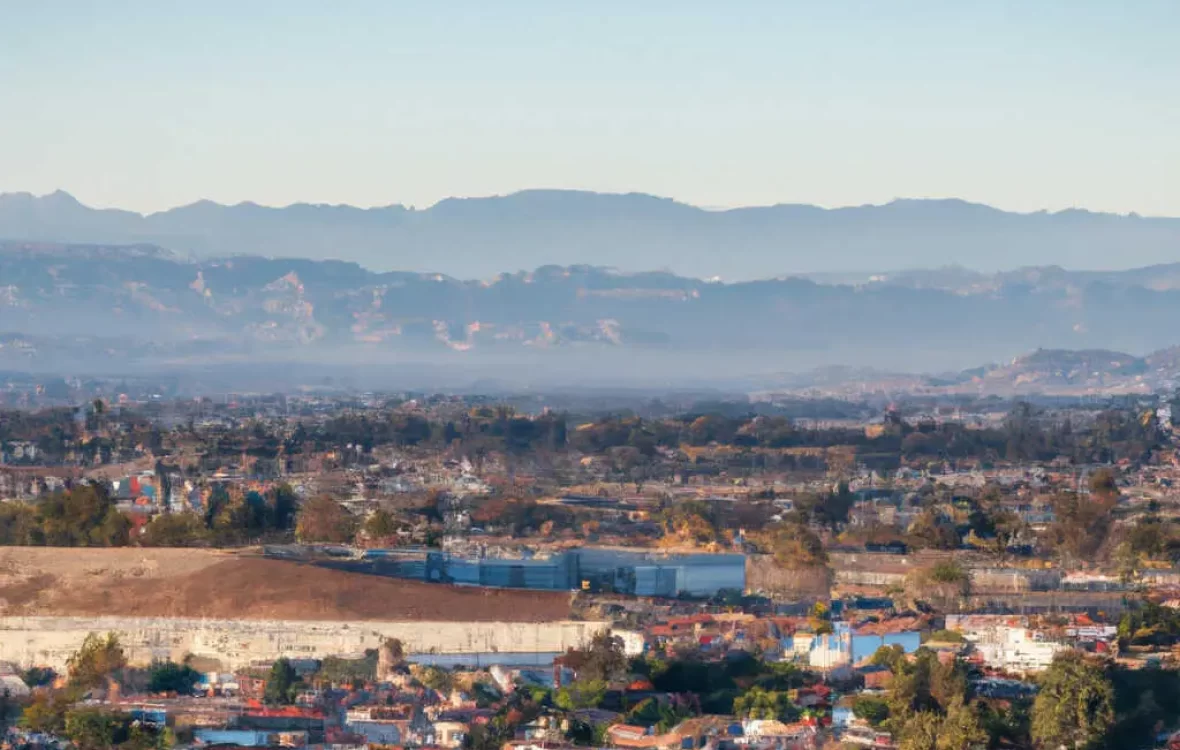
column 1057, row 372
column 479, row 237
column 70, row 307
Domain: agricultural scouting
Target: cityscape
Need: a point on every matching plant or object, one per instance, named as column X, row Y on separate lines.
column 616, row 376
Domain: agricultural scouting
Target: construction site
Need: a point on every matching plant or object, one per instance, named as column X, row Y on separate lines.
column 239, row 608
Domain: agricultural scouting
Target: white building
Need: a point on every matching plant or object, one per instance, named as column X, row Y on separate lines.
column 1016, row 649
column 830, row 652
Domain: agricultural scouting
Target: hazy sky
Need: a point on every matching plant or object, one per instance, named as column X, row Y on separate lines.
column 1026, row 105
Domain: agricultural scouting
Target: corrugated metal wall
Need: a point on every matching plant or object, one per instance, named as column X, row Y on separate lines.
column 624, row 571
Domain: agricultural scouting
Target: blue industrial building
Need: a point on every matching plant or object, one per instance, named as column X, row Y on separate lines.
column 636, row 572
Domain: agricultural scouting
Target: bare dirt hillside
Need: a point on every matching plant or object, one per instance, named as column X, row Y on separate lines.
column 209, row 583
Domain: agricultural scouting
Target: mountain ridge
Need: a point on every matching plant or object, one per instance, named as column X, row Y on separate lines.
column 480, row 236
column 165, row 305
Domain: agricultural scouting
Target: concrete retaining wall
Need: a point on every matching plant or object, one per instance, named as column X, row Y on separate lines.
column 49, row 641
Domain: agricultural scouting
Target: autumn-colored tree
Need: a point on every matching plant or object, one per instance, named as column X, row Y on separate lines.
column 46, row 712
column 793, row 545
column 1102, row 484
column 1082, row 523
column 322, row 519
column 602, row 660
column 97, row 659
column 688, row 523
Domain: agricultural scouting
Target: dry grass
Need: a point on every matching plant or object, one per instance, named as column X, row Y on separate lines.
column 228, row 585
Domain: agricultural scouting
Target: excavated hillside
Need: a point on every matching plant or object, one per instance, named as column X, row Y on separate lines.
column 237, row 585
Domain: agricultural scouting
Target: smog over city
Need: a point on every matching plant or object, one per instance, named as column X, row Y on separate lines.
column 628, row 376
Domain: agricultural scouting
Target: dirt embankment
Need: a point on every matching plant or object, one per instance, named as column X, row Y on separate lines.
column 223, row 585
column 764, row 574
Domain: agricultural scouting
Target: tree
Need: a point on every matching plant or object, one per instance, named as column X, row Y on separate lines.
column 602, row 660
column 437, row 678
column 1082, row 523
column 1075, row 705
column 175, row 530
column 689, row 522
column 793, row 546
column 391, row 654
column 335, row 670
column 36, row 677
column 283, row 502
column 84, row 516
column 943, row 584
column 889, row 656
column 873, row 710
column 1102, row 483
column 651, row 712
column 757, row 703
column 920, row 731
column 930, row 529
column 282, row 683
column 322, row 519
column 961, row 728
column 18, row 523
column 381, row 525
column 170, row 677
column 46, row 713
column 580, row 694
column 97, row 659
column 95, row 729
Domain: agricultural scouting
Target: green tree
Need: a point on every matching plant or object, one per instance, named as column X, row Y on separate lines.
column 8, row 709
column 961, row 728
column 336, row 670
column 170, row 677
column 95, row 729
column 18, row 524
column 437, row 678
column 36, row 677
column 651, row 712
column 282, row 683
column 873, row 710
column 580, row 694
column 84, row 516
column 889, row 656
column 920, row 731
column 284, row 504
column 175, row 530
column 757, row 703
column 1075, row 705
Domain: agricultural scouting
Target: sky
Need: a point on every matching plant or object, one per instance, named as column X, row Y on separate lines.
column 1024, row 105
